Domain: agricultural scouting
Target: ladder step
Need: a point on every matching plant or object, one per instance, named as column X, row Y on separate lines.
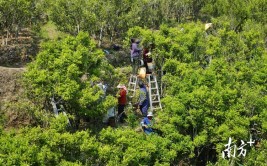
column 156, row 101
column 132, row 83
column 131, row 90
column 154, row 95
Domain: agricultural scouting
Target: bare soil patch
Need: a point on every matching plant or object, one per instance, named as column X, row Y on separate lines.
column 11, row 95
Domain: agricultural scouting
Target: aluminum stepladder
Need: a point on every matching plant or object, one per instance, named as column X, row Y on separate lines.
column 153, row 90
column 133, row 78
column 132, row 85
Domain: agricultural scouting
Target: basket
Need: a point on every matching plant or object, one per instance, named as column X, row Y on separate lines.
column 142, row 72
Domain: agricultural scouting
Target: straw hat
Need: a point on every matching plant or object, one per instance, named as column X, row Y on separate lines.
column 120, row 86
column 207, row 26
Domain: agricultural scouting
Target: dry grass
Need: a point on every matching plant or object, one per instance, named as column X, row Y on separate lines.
column 50, row 32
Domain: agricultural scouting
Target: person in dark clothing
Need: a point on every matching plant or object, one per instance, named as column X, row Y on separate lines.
column 147, row 58
column 121, row 95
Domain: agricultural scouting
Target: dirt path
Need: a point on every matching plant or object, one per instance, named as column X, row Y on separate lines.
column 11, row 69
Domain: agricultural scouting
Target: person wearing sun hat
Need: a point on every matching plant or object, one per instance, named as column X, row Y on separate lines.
column 121, row 95
column 146, row 123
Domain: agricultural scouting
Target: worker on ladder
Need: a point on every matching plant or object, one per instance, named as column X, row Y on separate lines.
column 135, row 54
column 143, row 104
column 147, row 57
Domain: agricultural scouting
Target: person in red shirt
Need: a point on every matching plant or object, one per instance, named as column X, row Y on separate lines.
column 121, row 95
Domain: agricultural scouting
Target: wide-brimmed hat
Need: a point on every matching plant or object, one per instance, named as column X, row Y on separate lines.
column 208, row 25
column 120, row 86
column 150, row 114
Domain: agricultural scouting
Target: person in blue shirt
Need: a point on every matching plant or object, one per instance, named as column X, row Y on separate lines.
column 143, row 104
column 146, row 123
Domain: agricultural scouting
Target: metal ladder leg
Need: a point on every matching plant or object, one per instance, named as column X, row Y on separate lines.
column 149, row 92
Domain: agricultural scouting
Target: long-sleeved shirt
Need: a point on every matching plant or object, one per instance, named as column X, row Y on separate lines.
column 148, row 123
column 122, row 98
column 135, row 51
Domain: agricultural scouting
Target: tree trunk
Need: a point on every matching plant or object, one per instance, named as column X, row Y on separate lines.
column 100, row 36
column 78, row 28
column 3, row 40
column 6, row 37
column 16, row 33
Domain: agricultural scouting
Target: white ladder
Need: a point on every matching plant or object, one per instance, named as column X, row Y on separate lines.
column 132, row 85
column 154, row 96
column 57, row 111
